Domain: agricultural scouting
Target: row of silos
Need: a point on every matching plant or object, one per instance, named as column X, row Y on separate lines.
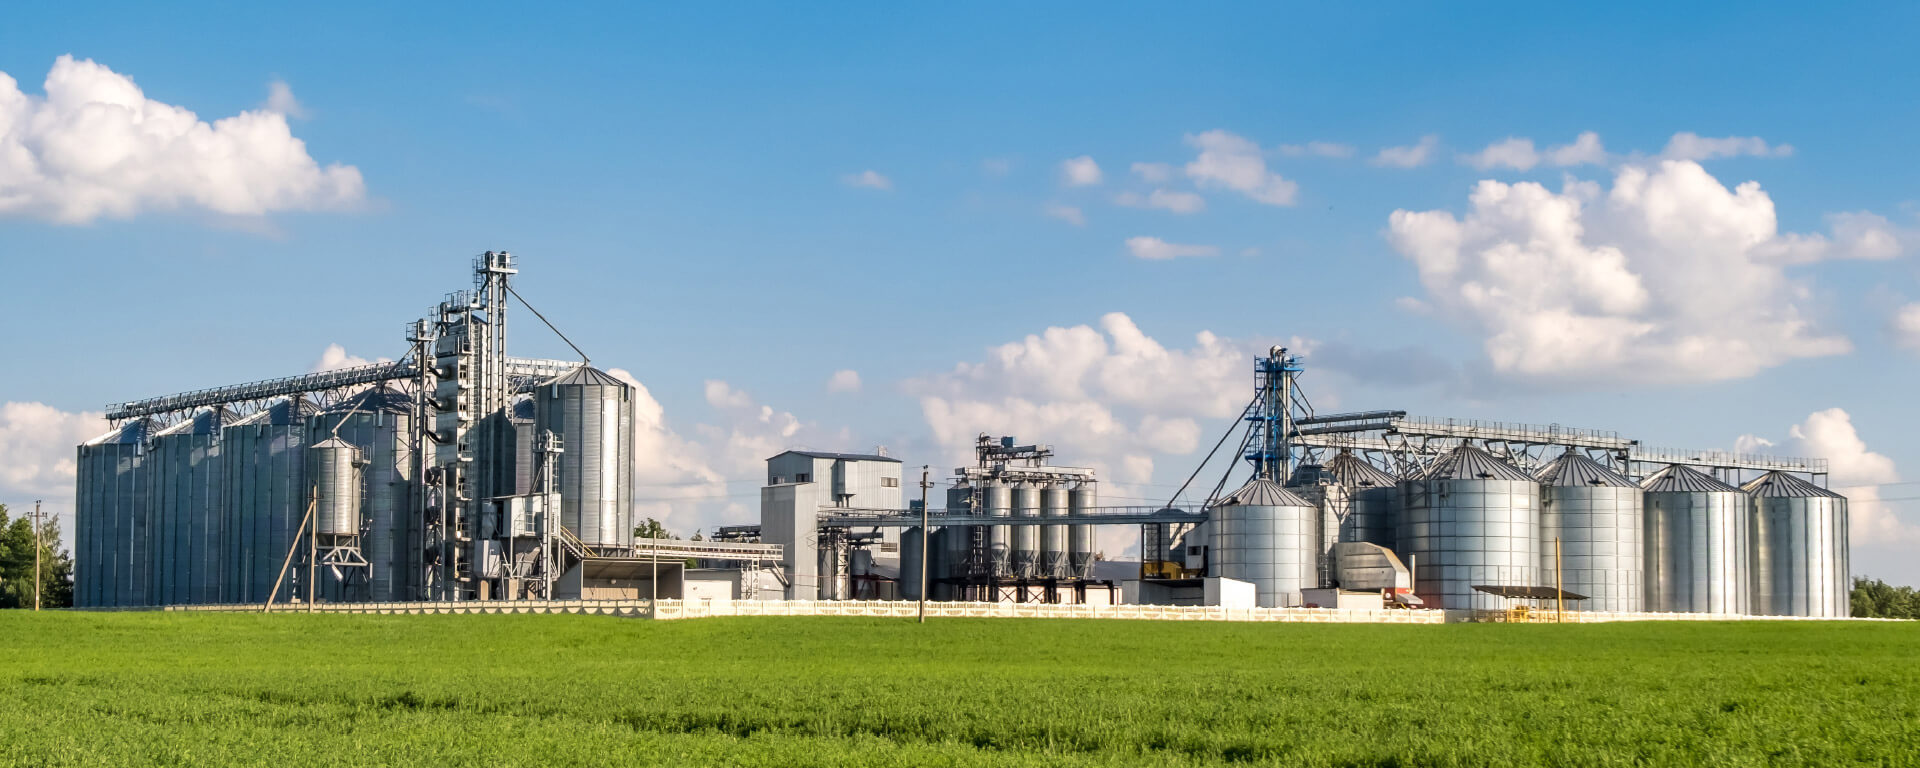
column 1009, row 552
column 1680, row 541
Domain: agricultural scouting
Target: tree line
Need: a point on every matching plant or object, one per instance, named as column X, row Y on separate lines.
column 1877, row 599
column 16, row 564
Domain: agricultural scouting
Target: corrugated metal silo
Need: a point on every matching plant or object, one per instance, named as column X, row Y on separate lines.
column 335, row 466
column 998, row 498
column 110, row 498
column 1025, row 552
column 592, row 412
column 958, row 539
column 1266, row 535
column 1696, row 542
column 1596, row 514
column 1799, row 548
column 1357, row 501
column 910, row 556
column 1082, row 499
column 187, row 502
column 1470, row 519
column 267, row 495
column 517, row 475
column 1053, row 538
column 378, row 421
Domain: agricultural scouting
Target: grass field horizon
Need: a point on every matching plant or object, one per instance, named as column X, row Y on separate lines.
column 210, row 689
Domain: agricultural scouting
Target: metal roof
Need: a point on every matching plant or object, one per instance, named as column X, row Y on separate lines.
column 1261, row 492
column 335, row 442
column 1780, row 485
column 1526, row 593
column 205, row 421
column 1573, row 470
column 1471, row 463
column 1679, row 478
column 841, row 456
column 585, row 375
column 130, row 433
column 376, row 398
column 1354, row 472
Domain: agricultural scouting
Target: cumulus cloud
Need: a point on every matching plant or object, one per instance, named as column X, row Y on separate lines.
column 1233, row 162
column 1882, row 532
column 1068, row 213
column 1668, row 277
column 1080, row 171
column 1520, row 155
column 1409, row 156
column 280, row 99
column 1164, row 199
column 1109, row 397
column 844, row 381
column 1687, row 145
column 1156, row 249
column 335, row 356
column 37, row 457
column 1153, row 173
column 95, row 146
column 1317, row 149
column 869, row 179
column 1906, row 327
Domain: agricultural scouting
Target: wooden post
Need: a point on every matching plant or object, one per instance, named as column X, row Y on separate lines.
column 1559, row 594
column 38, row 521
column 288, row 563
column 313, row 556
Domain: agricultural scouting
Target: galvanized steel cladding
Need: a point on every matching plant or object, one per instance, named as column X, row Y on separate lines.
column 1269, row 536
column 1696, row 549
column 1595, row 515
column 1470, row 519
column 592, row 412
column 1798, row 548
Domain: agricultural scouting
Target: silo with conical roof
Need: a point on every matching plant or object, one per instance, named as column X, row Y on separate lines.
column 1798, row 551
column 1470, row 519
column 1595, row 514
column 1695, row 543
column 1266, row 535
column 592, row 412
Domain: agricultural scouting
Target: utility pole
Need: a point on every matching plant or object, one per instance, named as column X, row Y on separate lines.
column 924, row 538
column 313, row 554
column 38, row 521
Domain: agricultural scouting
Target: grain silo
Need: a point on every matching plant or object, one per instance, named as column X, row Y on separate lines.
column 1696, row 542
column 592, row 412
column 1799, row 548
column 110, row 513
column 1470, row 519
column 1081, row 500
column 1024, row 554
column 1266, row 535
column 1357, row 501
column 186, row 510
column 1595, row 513
column 267, row 495
column 1054, row 502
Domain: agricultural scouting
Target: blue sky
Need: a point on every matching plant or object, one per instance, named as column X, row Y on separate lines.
column 675, row 181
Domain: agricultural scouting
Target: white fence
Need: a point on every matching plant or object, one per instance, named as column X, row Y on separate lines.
column 699, row 609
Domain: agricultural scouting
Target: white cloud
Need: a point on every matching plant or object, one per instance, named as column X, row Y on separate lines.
column 1080, row 171
column 1520, row 155
column 997, row 166
column 1410, row 156
column 1687, row 145
column 1882, row 533
column 1067, row 213
column 280, row 99
column 1156, row 249
column 1317, row 149
column 1166, row 199
column 38, row 458
column 1110, row 397
column 869, row 179
column 1153, row 173
column 95, row 146
column 335, row 356
column 1233, row 162
column 1906, row 326
column 844, row 381
column 1669, row 277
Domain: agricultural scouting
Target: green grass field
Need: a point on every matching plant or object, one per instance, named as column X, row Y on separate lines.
column 207, row 689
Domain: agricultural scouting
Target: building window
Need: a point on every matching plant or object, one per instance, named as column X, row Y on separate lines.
column 803, row 477
column 889, row 482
